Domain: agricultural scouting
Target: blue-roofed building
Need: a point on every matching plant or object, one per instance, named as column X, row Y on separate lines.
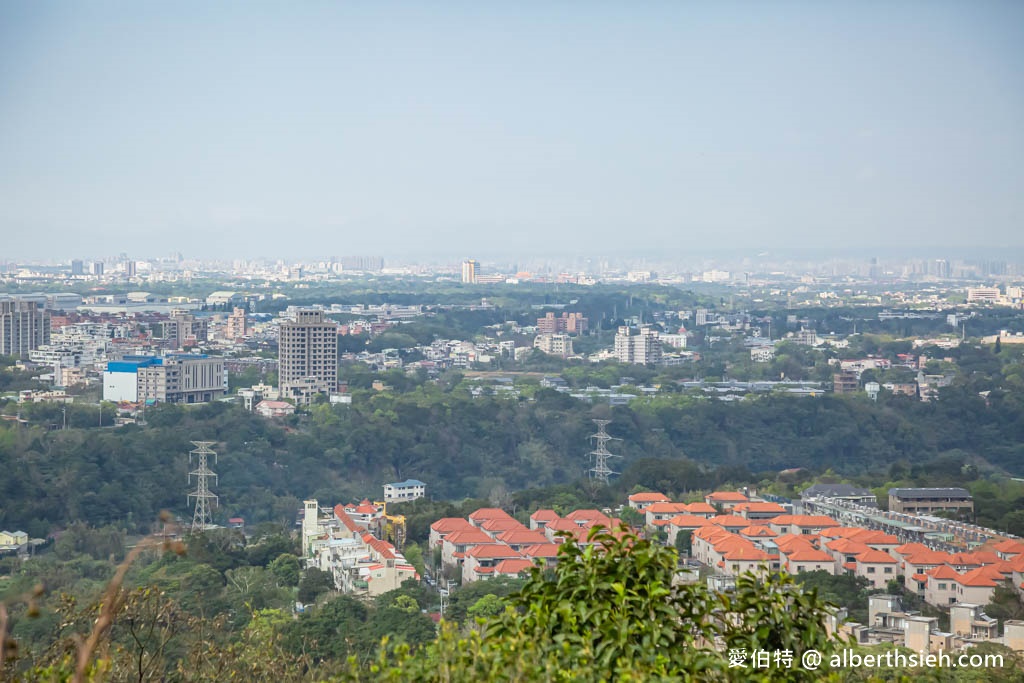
column 401, row 491
column 175, row 378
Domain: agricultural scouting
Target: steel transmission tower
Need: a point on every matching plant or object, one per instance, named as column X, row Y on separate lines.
column 601, row 471
column 202, row 518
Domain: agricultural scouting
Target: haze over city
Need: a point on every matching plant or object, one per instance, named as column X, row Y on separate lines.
column 244, row 130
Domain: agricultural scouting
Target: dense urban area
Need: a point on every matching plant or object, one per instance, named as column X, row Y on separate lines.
column 328, row 469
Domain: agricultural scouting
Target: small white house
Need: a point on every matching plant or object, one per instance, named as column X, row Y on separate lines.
column 401, row 491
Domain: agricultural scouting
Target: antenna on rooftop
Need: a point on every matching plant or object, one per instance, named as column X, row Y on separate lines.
column 206, row 500
column 601, row 471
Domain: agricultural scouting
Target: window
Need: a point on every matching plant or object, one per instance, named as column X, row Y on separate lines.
column 942, row 586
column 871, row 570
column 888, row 570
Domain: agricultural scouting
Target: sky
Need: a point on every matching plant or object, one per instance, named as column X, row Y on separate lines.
column 316, row 129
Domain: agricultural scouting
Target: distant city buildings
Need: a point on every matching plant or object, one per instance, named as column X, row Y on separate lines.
column 183, row 329
column 307, row 356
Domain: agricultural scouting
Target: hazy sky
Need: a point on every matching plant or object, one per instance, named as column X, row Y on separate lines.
column 332, row 128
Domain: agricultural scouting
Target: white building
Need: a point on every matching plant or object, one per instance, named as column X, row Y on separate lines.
column 642, row 348
column 401, row 491
column 554, row 344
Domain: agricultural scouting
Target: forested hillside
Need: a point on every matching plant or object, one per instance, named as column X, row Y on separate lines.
column 465, row 446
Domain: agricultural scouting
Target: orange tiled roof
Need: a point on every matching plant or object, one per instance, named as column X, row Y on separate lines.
column 982, row 577
column 523, row 537
column 927, row 557
column 1009, row 546
column 689, row 521
column 468, row 537
column 544, row 516
column 758, row 531
column 875, row 557
column 491, row 550
column 512, row 566
column 448, row 524
column 809, row 556
column 944, row 572
column 730, row 520
column 759, row 507
column 648, row 497
column 666, row 508
column 541, row 550
column 911, row 548
column 499, row 524
column 746, row 553
column 847, row 547
column 727, row 497
column 483, row 514
column 701, row 509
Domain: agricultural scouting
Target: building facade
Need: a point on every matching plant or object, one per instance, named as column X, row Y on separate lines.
column 643, row 348
column 24, row 326
column 307, row 356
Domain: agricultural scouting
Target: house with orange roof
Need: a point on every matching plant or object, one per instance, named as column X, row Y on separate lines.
column 541, row 518
column 685, row 522
column 563, row 525
column 656, row 512
column 703, row 543
column 803, row 560
column 730, row 522
column 757, row 531
column 478, row 517
column 977, row 585
column 1016, row 566
column 588, row 518
column 725, row 500
column 1009, row 548
column 512, row 568
column 499, row 525
column 802, row 524
column 758, row 511
column 639, row 501
column 456, row 544
column 480, row 560
column 443, row 527
column 544, row 554
column 518, row 539
column 701, row 510
column 909, row 549
column 919, row 563
column 940, row 585
column 845, row 552
column 743, row 558
column 876, row 566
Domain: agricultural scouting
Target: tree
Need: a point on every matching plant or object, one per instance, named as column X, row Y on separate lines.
column 286, row 569
column 609, row 611
column 684, row 542
column 314, row 584
column 487, row 606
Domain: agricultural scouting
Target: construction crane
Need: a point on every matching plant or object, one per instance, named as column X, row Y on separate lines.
column 394, row 527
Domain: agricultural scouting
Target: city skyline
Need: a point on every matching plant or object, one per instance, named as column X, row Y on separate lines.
column 465, row 130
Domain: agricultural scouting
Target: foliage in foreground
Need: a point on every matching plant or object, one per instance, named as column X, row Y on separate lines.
column 609, row 611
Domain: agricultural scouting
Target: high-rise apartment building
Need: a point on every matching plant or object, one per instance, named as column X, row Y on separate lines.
column 77, row 267
column 307, row 356
column 24, row 326
column 130, row 269
column 470, row 270
column 96, row 268
column 237, row 325
column 642, row 348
